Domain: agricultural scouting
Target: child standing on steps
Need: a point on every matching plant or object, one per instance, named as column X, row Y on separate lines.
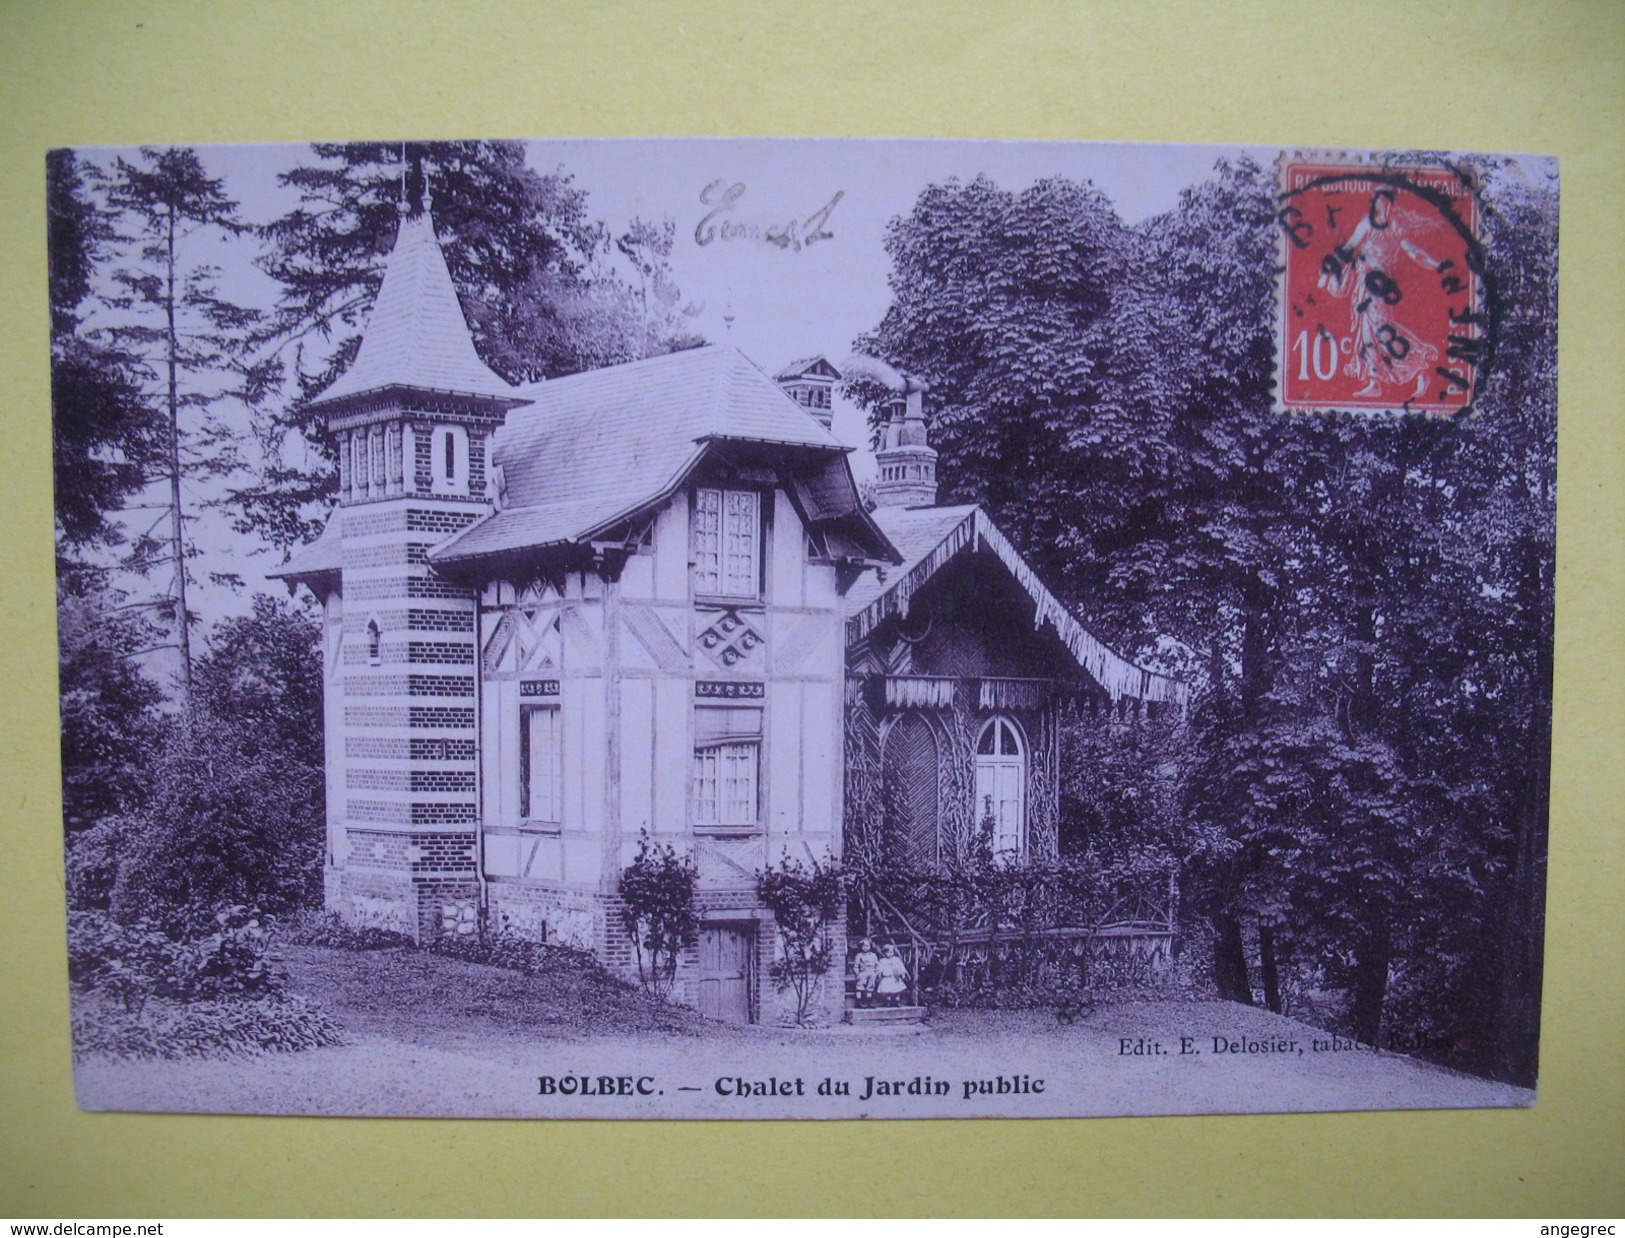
column 893, row 977
column 866, row 967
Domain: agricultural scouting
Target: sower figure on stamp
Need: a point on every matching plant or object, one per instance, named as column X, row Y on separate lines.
column 1366, row 277
column 893, row 977
column 866, row 968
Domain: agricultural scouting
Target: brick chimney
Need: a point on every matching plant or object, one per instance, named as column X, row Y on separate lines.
column 908, row 462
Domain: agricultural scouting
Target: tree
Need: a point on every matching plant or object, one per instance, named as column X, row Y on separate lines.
column 109, row 708
column 103, row 433
column 187, row 341
column 227, row 821
column 103, row 440
column 1363, row 604
column 262, row 675
column 536, row 277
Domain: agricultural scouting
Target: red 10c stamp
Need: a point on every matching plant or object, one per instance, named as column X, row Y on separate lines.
column 1384, row 301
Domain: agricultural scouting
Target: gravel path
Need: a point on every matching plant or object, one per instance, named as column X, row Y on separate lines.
column 473, row 1052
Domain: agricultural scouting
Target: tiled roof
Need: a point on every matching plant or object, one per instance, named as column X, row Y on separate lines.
column 314, row 558
column 929, row 537
column 916, row 532
column 595, row 447
column 417, row 335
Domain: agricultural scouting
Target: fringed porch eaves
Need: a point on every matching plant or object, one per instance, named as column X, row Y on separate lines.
column 1116, row 675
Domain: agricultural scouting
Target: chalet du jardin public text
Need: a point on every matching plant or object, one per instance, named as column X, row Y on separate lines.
column 773, row 1086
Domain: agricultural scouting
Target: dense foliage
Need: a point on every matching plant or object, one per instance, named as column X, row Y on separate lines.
column 657, row 908
column 192, row 982
column 1356, row 801
column 806, row 901
column 105, row 436
column 233, row 810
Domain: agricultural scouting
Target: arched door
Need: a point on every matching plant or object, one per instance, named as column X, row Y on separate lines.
column 909, row 764
column 1001, row 786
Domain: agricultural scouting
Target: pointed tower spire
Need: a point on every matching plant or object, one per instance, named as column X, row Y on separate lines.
column 417, row 336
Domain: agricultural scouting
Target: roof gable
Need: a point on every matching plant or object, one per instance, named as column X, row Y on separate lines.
column 416, row 335
column 929, row 538
column 818, row 366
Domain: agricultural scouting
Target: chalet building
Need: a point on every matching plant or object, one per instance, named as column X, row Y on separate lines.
column 648, row 600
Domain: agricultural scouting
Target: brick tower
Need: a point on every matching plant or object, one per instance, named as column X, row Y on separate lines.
column 412, row 418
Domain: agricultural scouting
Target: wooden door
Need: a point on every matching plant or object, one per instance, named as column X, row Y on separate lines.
column 727, row 955
column 909, row 766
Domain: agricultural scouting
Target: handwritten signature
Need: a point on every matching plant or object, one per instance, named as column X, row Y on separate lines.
column 722, row 196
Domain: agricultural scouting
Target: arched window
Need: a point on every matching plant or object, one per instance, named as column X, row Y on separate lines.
column 1001, row 786
column 375, row 642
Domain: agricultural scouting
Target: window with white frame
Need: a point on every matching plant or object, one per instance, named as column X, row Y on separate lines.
column 541, row 764
column 1001, row 786
column 727, row 765
column 727, row 543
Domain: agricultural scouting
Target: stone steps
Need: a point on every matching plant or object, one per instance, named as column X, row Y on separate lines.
column 880, row 1015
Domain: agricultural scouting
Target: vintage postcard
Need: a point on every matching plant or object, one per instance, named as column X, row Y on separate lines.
column 803, row 629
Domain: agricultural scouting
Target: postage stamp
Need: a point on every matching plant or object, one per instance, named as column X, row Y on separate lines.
column 1383, row 303
column 802, row 629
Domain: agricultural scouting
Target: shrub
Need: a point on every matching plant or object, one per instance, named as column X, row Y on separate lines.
column 196, row 956
column 308, row 927
column 202, row 1029
column 1068, row 996
column 227, row 820
column 512, row 952
column 805, row 902
column 657, row 895
column 93, row 857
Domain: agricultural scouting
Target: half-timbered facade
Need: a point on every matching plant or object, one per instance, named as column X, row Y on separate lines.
column 647, row 601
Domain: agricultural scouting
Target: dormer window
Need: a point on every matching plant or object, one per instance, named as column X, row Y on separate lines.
column 727, row 543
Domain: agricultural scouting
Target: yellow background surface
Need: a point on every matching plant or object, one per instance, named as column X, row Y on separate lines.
column 1531, row 77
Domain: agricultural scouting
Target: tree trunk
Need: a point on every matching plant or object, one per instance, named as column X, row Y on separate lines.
column 1254, row 648
column 1371, row 984
column 177, row 525
column 1230, row 961
column 1267, row 966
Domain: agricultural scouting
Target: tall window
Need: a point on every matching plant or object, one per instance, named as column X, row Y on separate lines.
column 541, row 764
column 448, row 460
column 727, row 543
column 1001, row 786
column 727, row 766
